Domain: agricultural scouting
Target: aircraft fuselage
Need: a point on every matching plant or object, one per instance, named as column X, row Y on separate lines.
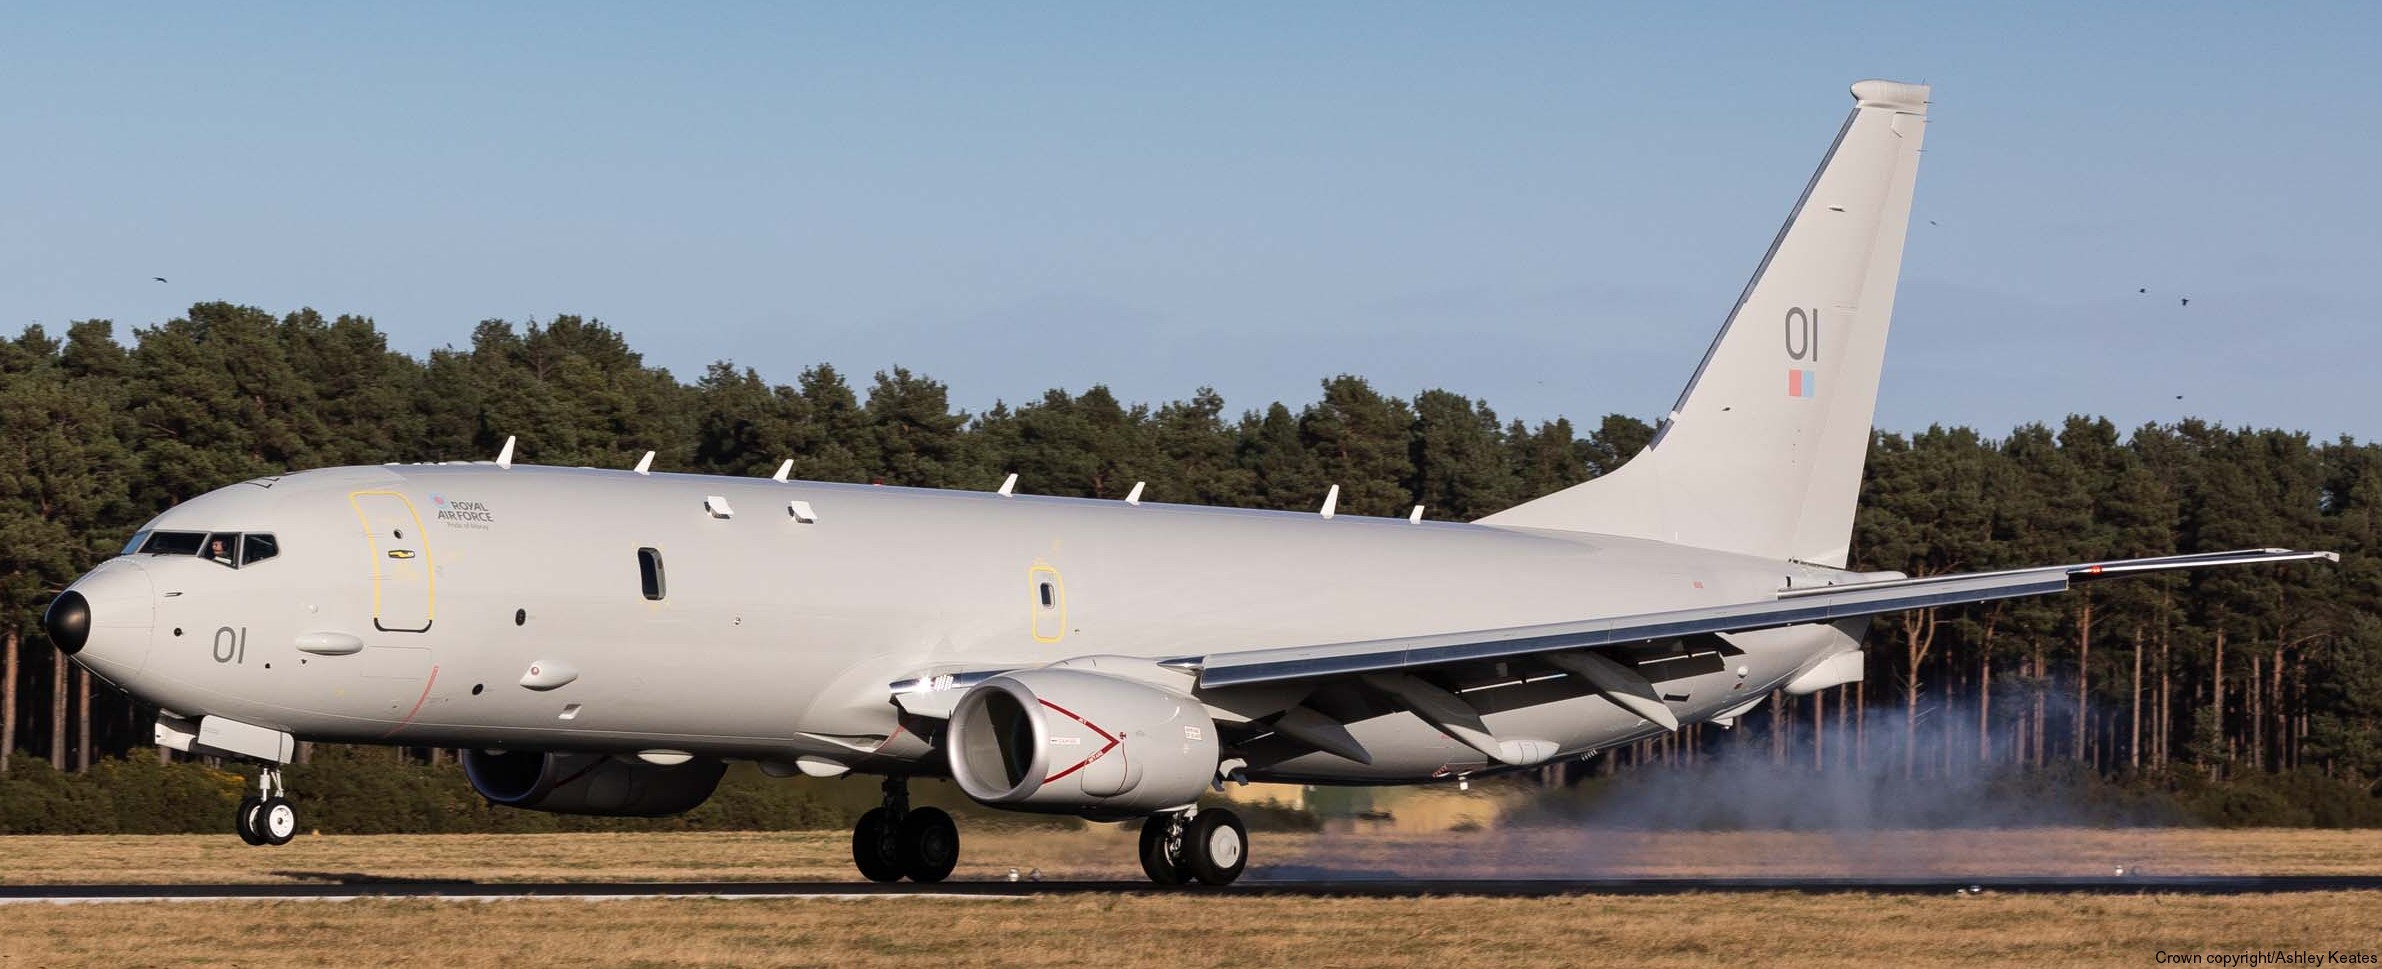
column 472, row 606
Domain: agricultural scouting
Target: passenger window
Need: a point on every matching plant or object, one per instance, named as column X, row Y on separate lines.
column 175, row 543
column 257, row 548
column 649, row 569
column 1050, row 596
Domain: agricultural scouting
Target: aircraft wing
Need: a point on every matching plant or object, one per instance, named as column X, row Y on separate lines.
column 1790, row 607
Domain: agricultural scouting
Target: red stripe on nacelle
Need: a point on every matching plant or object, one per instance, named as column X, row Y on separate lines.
column 1113, row 741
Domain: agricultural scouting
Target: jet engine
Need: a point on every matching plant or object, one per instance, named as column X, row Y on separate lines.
column 591, row 783
column 1063, row 741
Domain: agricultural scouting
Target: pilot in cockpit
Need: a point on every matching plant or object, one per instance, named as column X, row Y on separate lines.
column 220, row 550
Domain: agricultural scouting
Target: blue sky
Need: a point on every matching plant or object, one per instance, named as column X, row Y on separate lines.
column 1546, row 206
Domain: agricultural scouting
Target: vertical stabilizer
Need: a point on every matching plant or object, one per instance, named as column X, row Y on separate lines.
column 1763, row 452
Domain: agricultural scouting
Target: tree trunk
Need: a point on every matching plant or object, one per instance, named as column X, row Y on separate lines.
column 2134, row 706
column 1917, row 638
column 57, row 709
column 2018, row 734
column 2255, row 702
column 1778, row 727
column 1861, row 725
column 2279, row 727
column 1947, row 738
column 2084, row 674
column 2166, row 697
column 1984, row 706
column 8, row 698
column 2216, row 695
column 82, row 720
column 1819, row 731
column 1844, row 721
column 2040, row 694
column 2019, row 721
column 2299, row 706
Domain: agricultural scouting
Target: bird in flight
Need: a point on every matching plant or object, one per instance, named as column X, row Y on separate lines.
column 2144, row 289
column 2187, row 301
column 158, row 278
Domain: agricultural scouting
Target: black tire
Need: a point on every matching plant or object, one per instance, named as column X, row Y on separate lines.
column 1216, row 847
column 876, row 847
column 929, row 845
column 244, row 819
column 1161, row 865
column 276, row 821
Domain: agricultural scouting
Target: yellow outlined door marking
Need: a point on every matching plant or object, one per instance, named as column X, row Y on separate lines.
column 404, row 587
column 1047, row 606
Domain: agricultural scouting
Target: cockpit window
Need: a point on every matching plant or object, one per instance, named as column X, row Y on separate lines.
column 138, row 539
column 174, row 543
column 230, row 549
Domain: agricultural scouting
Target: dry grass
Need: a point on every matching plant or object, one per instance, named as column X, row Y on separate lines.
column 1184, row 932
column 1107, row 852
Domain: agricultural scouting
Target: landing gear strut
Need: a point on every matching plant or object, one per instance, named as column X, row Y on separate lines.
column 267, row 817
column 897, row 841
column 1207, row 845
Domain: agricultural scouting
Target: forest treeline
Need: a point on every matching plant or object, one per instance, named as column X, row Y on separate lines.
column 2231, row 676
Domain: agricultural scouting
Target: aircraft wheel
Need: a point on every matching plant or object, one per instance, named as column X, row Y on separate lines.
column 876, row 846
column 276, row 821
column 1216, row 847
column 929, row 845
column 1161, row 848
column 244, row 819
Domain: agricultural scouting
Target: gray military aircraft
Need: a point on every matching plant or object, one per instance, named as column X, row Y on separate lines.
column 604, row 641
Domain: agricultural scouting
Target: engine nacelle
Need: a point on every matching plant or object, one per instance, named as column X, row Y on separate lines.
column 1063, row 741
column 591, row 783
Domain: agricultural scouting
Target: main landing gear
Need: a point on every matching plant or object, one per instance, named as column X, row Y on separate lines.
column 1206, row 845
column 898, row 841
column 267, row 817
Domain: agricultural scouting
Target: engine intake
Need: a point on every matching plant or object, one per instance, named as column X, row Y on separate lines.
column 1063, row 741
column 591, row 783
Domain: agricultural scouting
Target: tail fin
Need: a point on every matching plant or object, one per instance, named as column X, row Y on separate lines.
column 1762, row 454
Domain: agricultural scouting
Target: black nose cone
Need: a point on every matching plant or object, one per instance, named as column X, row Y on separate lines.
column 68, row 622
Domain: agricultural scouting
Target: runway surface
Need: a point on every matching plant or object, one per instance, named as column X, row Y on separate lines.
column 334, row 887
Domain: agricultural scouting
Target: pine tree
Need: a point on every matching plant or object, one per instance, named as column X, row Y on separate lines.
column 1359, row 440
column 1457, row 456
column 914, row 436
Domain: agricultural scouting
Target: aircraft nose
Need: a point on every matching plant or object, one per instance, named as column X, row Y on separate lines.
column 68, row 622
column 104, row 620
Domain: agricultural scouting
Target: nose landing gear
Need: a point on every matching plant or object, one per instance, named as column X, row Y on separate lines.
column 1206, row 845
column 267, row 817
column 896, row 841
